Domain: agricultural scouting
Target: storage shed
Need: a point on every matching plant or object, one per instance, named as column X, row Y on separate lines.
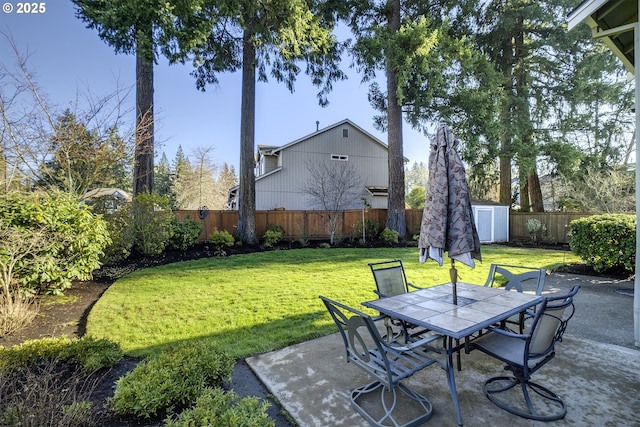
column 492, row 221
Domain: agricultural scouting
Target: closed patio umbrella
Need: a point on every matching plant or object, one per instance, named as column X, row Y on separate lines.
column 447, row 219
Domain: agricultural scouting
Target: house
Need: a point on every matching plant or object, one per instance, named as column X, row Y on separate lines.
column 281, row 171
column 108, row 198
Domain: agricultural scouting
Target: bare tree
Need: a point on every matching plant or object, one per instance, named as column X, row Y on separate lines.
column 17, row 246
column 610, row 191
column 333, row 186
column 41, row 144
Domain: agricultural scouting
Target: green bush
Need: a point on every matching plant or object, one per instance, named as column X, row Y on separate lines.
column 185, row 234
column 273, row 235
column 119, row 226
column 370, row 229
column 221, row 239
column 389, row 236
column 151, row 226
column 171, row 379
column 217, row 408
column 92, row 354
column 76, row 239
column 605, row 241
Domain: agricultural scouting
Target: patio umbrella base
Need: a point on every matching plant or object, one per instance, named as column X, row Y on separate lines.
column 462, row 301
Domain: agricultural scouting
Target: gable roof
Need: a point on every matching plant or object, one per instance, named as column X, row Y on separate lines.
column 275, row 150
column 101, row 192
column 613, row 21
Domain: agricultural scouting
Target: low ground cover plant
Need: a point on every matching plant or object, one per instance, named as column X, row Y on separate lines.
column 50, row 381
column 171, row 379
column 90, row 354
column 216, row 407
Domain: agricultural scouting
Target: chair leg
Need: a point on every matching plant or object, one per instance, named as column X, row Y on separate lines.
column 545, row 405
column 382, row 406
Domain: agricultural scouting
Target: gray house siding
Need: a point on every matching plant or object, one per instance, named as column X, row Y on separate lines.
column 282, row 187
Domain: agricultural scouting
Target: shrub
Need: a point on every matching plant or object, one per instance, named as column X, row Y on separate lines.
column 16, row 311
column 151, row 227
column 324, row 245
column 173, row 378
column 536, row 229
column 389, row 236
column 46, row 394
column 605, row 241
column 220, row 240
column 91, row 354
column 215, row 407
column 75, row 239
column 273, row 235
column 370, row 229
column 119, row 226
column 16, row 245
column 185, row 234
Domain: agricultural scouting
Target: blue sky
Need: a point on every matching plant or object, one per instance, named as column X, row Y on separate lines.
column 68, row 59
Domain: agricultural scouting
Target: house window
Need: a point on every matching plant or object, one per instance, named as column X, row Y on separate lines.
column 340, row 157
column 345, row 133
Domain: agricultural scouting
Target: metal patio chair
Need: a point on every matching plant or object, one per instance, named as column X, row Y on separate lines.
column 520, row 279
column 391, row 280
column 389, row 363
column 524, row 354
column 516, row 277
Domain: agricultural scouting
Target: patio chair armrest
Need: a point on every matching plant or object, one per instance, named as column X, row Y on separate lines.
column 380, row 294
column 507, row 333
column 413, row 345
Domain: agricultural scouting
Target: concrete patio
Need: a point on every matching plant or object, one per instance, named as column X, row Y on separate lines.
column 596, row 370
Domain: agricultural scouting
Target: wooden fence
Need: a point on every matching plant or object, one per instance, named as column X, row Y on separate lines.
column 556, row 225
column 312, row 225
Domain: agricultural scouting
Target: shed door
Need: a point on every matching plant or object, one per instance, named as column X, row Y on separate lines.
column 484, row 224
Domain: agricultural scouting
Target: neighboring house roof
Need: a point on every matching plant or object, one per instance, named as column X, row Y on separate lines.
column 276, row 150
column 101, row 192
column 281, row 169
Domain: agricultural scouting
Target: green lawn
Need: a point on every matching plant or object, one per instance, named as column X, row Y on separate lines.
column 249, row 304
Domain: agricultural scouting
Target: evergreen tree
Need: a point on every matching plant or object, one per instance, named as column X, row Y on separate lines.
column 163, row 179
column 550, row 80
column 145, row 28
column 83, row 159
column 256, row 36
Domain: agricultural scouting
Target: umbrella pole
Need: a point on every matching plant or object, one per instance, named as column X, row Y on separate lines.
column 453, row 274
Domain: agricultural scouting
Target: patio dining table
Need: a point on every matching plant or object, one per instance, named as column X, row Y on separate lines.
column 478, row 307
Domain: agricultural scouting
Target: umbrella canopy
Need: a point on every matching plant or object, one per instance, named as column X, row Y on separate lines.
column 447, row 219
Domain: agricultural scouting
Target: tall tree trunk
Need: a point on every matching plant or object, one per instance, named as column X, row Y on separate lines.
column 247, row 192
column 505, row 144
column 525, row 203
column 528, row 151
column 143, row 169
column 396, row 219
column 535, row 192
